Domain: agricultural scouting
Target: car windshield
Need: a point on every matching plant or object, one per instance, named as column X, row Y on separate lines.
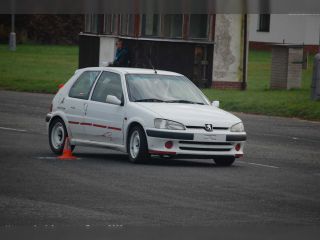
column 163, row 88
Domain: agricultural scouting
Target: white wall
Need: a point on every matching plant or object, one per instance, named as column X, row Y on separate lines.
column 228, row 49
column 297, row 29
column 107, row 50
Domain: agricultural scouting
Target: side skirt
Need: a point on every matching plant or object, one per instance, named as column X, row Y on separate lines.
column 81, row 142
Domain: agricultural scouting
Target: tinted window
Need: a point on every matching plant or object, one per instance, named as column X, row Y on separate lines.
column 173, row 25
column 108, row 84
column 150, row 25
column 81, row 88
column 198, row 26
column 264, row 23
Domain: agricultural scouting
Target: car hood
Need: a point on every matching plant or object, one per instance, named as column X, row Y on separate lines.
column 192, row 114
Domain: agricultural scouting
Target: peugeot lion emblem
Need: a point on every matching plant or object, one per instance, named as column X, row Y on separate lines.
column 208, row 127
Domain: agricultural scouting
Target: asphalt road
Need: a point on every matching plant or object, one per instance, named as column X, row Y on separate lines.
column 276, row 183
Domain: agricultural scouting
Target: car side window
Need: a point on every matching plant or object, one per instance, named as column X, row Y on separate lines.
column 108, row 84
column 81, row 88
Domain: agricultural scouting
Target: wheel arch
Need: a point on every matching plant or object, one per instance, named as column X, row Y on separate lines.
column 130, row 126
column 65, row 121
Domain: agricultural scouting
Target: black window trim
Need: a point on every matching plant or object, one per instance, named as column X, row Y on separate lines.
column 89, row 96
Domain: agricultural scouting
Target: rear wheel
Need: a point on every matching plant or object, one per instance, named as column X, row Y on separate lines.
column 137, row 145
column 57, row 136
column 224, row 161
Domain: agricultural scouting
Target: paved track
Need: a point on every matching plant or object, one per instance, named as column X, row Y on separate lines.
column 276, row 183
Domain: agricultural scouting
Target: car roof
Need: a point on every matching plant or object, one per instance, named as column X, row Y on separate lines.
column 130, row 70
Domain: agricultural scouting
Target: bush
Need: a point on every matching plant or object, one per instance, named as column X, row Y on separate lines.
column 45, row 29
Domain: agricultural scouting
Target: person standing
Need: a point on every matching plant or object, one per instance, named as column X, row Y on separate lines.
column 122, row 55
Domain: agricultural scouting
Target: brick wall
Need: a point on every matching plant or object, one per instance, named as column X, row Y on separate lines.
column 286, row 67
column 226, row 85
column 295, row 57
column 260, row 46
column 313, row 49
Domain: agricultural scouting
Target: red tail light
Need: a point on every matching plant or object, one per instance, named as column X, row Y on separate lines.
column 60, row 85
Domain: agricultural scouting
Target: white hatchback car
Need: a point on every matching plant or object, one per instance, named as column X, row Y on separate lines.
column 143, row 112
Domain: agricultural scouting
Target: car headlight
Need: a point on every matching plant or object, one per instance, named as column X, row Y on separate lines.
column 167, row 124
column 237, row 127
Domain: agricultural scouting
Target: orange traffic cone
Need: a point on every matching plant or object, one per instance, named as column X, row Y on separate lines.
column 67, row 153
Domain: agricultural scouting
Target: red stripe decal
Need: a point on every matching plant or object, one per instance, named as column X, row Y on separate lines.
column 95, row 125
column 161, row 152
column 86, row 124
column 99, row 126
column 114, row 128
column 72, row 122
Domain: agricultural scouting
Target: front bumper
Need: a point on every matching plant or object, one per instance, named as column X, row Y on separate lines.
column 48, row 117
column 197, row 143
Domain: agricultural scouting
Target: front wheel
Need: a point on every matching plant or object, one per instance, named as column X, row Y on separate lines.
column 224, row 161
column 137, row 145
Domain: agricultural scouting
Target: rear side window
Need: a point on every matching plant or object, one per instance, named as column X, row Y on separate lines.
column 81, row 88
column 108, row 84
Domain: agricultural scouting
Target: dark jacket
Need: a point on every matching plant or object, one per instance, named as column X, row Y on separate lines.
column 122, row 58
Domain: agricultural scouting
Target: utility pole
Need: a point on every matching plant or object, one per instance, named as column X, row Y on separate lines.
column 245, row 52
column 319, row 40
column 12, row 36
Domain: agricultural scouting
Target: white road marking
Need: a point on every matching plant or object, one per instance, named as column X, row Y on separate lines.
column 47, row 157
column 13, row 129
column 290, row 137
column 50, row 158
column 258, row 164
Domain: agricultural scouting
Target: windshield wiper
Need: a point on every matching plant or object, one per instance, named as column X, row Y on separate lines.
column 149, row 100
column 184, row 101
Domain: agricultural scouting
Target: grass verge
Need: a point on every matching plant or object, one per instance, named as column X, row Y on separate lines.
column 259, row 99
column 40, row 68
column 36, row 68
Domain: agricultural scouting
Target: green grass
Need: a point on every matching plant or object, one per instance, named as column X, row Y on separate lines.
column 260, row 100
column 36, row 68
column 40, row 68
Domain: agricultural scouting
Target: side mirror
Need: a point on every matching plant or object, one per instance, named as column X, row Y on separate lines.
column 216, row 104
column 113, row 100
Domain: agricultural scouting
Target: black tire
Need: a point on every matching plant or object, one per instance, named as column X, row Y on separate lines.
column 224, row 161
column 142, row 155
column 58, row 149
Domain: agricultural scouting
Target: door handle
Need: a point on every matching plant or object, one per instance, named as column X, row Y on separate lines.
column 72, row 107
column 85, row 108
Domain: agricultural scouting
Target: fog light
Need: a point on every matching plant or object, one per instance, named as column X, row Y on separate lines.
column 168, row 144
column 238, row 146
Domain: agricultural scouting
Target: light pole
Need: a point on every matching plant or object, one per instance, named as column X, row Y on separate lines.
column 12, row 37
column 319, row 40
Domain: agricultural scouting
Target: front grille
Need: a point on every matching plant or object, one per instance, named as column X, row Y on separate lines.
column 206, row 149
column 206, row 143
column 202, row 127
column 205, row 146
